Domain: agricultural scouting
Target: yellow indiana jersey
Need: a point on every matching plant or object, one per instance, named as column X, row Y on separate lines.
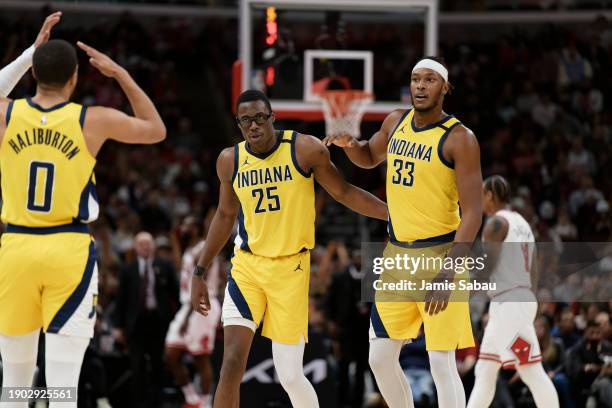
column 46, row 169
column 421, row 186
column 277, row 214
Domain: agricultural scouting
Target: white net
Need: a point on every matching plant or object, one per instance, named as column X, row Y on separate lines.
column 343, row 111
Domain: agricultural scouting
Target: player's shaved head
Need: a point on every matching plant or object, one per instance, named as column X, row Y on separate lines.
column 54, row 63
column 253, row 95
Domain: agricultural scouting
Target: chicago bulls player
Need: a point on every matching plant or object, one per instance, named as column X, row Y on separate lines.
column 189, row 331
column 509, row 340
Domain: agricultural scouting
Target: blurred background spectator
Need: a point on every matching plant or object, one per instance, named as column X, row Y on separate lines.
column 146, row 303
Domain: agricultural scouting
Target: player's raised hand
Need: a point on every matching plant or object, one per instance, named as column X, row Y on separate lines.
column 341, row 140
column 101, row 61
column 199, row 295
column 45, row 30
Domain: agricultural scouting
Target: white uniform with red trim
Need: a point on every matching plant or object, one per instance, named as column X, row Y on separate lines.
column 510, row 336
column 199, row 337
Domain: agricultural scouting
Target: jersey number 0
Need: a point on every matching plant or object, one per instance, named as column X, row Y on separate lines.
column 46, row 170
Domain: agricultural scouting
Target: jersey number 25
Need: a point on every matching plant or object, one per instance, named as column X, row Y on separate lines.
column 272, row 199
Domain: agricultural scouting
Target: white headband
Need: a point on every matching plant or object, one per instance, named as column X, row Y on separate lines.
column 434, row 66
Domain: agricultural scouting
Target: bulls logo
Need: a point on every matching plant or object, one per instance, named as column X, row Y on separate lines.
column 521, row 348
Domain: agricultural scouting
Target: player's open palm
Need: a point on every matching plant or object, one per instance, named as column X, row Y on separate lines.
column 199, row 295
column 341, row 140
column 101, row 61
column 45, row 30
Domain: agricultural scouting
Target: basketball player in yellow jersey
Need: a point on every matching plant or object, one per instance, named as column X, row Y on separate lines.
column 48, row 272
column 433, row 169
column 267, row 182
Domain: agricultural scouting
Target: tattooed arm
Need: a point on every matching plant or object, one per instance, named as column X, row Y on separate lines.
column 493, row 234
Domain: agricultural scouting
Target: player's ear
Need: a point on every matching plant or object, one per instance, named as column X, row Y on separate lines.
column 73, row 79
column 445, row 88
column 272, row 117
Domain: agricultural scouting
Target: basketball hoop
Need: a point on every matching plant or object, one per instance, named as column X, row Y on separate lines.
column 343, row 110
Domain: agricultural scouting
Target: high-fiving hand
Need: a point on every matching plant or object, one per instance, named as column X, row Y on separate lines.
column 101, row 61
column 45, row 30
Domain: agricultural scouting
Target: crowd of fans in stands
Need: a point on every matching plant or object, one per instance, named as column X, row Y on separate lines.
column 537, row 101
column 465, row 5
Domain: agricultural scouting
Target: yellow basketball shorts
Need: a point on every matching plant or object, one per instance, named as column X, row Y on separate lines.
column 275, row 289
column 399, row 316
column 48, row 280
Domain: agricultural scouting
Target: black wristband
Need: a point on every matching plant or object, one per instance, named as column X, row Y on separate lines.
column 199, row 271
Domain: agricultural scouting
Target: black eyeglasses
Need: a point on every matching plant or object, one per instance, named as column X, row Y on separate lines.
column 260, row 119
